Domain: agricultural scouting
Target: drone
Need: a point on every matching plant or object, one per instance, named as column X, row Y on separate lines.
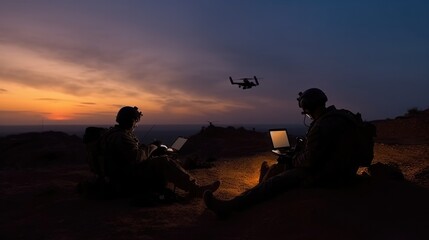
column 245, row 83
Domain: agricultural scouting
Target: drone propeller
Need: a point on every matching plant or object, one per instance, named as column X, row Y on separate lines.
column 249, row 78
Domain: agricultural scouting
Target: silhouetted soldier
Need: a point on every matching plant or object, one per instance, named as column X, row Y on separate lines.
column 326, row 158
column 142, row 168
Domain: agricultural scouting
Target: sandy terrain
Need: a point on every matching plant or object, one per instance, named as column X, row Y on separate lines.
column 41, row 202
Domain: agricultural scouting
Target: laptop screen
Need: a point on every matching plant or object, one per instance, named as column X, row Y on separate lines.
column 279, row 138
column 178, row 144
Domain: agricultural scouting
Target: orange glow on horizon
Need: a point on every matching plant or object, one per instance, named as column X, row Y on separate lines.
column 27, row 105
column 58, row 117
column 40, row 86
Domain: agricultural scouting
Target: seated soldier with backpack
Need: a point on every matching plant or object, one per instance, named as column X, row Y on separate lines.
column 336, row 144
column 118, row 158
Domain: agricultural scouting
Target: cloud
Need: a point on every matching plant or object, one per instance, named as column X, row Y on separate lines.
column 2, row 90
column 49, row 99
column 156, row 66
column 133, row 52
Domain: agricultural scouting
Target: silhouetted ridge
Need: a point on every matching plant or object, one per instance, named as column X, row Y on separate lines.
column 411, row 128
column 38, row 149
column 213, row 142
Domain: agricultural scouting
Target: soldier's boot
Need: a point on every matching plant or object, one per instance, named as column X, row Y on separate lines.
column 263, row 171
column 222, row 208
column 198, row 190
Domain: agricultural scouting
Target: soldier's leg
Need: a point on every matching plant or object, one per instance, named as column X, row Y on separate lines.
column 263, row 170
column 272, row 171
column 174, row 173
column 265, row 190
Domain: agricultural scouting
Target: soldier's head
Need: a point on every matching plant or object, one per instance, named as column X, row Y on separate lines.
column 128, row 117
column 312, row 101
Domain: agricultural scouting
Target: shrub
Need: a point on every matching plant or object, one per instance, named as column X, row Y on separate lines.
column 413, row 111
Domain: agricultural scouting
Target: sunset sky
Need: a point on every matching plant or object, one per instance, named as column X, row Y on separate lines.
column 78, row 62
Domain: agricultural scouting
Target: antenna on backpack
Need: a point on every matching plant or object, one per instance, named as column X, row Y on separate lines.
column 148, row 131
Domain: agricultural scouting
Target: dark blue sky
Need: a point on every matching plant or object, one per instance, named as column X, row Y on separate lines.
column 173, row 58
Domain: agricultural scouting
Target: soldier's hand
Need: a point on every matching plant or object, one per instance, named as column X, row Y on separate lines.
column 300, row 144
column 156, row 143
column 159, row 151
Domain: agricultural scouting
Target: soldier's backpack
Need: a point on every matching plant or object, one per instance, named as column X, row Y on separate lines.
column 91, row 139
column 98, row 186
column 365, row 133
column 102, row 187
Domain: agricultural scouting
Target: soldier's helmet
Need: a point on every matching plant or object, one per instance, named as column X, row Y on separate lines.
column 128, row 115
column 311, row 99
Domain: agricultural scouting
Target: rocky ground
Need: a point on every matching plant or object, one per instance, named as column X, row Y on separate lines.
column 38, row 198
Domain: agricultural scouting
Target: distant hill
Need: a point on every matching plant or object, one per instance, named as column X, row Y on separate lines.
column 411, row 128
column 46, row 148
column 40, row 149
column 213, row 141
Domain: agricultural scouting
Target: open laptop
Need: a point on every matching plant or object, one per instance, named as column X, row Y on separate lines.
column 177, row 144
column 280, row 141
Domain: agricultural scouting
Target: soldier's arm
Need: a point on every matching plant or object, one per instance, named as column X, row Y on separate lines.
column 313, row 151
column 131, row 151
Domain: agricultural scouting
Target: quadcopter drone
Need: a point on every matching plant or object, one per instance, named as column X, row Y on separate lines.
column 245, row 83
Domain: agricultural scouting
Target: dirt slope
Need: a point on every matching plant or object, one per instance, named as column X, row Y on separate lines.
column 38, row 198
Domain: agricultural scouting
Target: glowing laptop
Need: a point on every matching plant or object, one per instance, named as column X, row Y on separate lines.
column 280, row 141
column 177, row 144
